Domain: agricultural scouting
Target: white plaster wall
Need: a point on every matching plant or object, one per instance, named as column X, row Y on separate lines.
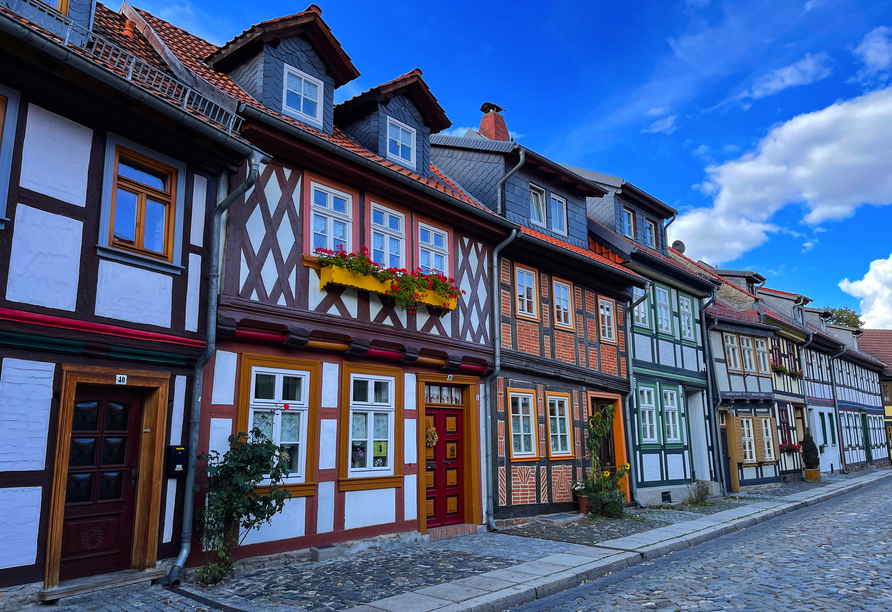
column 699, row 441
column 675, row 467
column 220, row 431
column 410, row 497
column 410, row 391
column 325, row 508
column 330, row 385
column 133, row 294
column 224, row 378
column 19, row 525
column 56, row 156
column 410, row 442
column 749, row 473
column 650, row 465
column 170, row 505
column 193, row 291
column 26, row 393
column 179, row 407
column 328, row 444
column 196, row 226
column 690, row 359
column 667, row 352
column 642, row 348
column 45, row 259
column 365, row 508
column 290, row 523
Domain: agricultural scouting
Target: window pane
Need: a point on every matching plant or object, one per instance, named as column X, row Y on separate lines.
column 393, row 147
column 111, row 485
column 381, row 429
column 113, row 451
column 320, row 198
column 425, row 259
column 117, row 416
column 292, row 100
column 358, row 453
column 439, row 263
column 406, row 137
column 406, row 152
column 294, row 81
column 394, row 246
column 265, row 386
column 438, row 240
column 86, row 416
column 360, row 425
column 311, row 91
column 382, row 391
column 290, row 427
column 377, row 217
column 142, row 174
column 156, row 213
column 339, row 204
column 394, row 131
column 393, row 222
column 125, row 216
column 360, row 390
column 292, row 388
column 263, row 420
column 309, row 107
column 425, row 235
column 83, row 452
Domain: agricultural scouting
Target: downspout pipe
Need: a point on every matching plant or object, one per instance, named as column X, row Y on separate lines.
column 710, row 395
column 254, row 161
column 714, row 404
column 627, row 409
column 842, row 451
column 501, row 186
column 671, row 221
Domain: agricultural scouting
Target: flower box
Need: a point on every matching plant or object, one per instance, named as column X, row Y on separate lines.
column 432, row 299
column 336, row 275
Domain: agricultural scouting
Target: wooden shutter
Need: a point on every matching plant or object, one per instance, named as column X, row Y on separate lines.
column 757, row 438
column 738, row 439
column 774, row 438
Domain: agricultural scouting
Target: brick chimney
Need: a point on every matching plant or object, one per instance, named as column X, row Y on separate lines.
column 492, row 126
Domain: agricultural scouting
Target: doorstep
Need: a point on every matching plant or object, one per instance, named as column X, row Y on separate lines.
column 453, row 531
column 90, row 584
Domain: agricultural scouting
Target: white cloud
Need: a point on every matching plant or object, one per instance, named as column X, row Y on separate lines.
column 456, row 131
column 812, row 4
column 666, row 126
column 808, row 245
column 655, row 112
column 830, row 161
column 875, row 52
column 807, row 70
column 875, row 292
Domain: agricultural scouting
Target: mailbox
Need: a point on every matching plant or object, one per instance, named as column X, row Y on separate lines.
column 177, row 460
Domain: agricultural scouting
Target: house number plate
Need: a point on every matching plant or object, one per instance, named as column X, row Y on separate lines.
column 120, row 379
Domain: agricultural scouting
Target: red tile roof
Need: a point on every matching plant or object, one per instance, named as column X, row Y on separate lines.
column 711, row 273
column 723, row 311
column 878, row 343
column 579, row 250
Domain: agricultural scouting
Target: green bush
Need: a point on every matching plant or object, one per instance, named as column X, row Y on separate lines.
column 612, row 509
column 810, row 456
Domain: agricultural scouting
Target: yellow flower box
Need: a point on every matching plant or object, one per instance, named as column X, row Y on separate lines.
column 335, row 275
column 432, row 299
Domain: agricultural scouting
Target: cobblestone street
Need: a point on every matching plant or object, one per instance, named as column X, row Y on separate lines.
column 833, row 556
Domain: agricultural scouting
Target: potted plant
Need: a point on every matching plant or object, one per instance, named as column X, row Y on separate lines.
column 601, row 493
column 580, row 488
column 811, row 459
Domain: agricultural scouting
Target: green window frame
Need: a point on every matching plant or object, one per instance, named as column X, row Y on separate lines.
column 682, row 298
column 649, row 417
column 645, row 307
column 657, row 306
column 668, row 390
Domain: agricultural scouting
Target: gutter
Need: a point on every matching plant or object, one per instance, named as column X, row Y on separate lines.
column 66, row 56
column 254, row 162
column 501, row 186
column 710, row 394
column 671, row 221
column 842, row 451
column 627, row 413
column 251, row 112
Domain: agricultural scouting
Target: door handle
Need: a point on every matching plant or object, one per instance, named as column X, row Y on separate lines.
column 134, row 473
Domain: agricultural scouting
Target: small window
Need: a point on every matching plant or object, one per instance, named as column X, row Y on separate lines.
column 142, row 206
column 332, row 218
column 670, row 415
column 608, row 321
column 648, row 410
column 650, row 233
column 762, row 356
column 749, row 444
column 303, row 95
column 372, row 407
column 732, row 352
column 627, row 223
column 526, row 292
column 887, row 393
column 664, row 311
column 59, row 5
column 767, row 440
column 400, row 142
column 388, row 237
column 558, row 214
column 563, row 304
column 642, row 318
column 537, row 206
column 559, row 425
column 278, row 407
column 433, row 249
column 746, row 349
column 686, row 307
column 523, row 425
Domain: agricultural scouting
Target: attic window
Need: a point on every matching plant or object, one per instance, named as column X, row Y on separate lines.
column 400, row 142
column 301, row 97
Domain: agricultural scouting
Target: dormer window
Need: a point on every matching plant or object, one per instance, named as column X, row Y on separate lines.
column 537, row 206
column 650, row 234
column 301, row 98
column 400, row 142
column 59, row 5
column 627, row 225
column 558, row 211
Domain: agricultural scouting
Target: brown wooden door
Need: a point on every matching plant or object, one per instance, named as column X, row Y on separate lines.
column 607, row 454
column 445, row 499
column 100, row 494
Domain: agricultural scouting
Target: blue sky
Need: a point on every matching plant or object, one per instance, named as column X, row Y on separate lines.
column 767, row 124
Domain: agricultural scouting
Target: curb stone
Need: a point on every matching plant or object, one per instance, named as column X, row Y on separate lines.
column 530, row 581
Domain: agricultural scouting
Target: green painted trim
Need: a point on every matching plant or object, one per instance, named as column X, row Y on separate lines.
column 698, row 382
column 671, row 332
column 678, row 408
column 133, row 354
column 648, row 300
column 45, row 343
column 685, row 296
column 657, row 414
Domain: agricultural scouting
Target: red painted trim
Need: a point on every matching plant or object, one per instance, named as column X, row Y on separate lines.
column 34, row 318
column 251, row 335
column 383, row 354
column 469, row 367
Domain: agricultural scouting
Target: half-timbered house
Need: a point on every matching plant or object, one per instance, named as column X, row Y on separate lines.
column 817, row 354
column 878, row 343
column 673, row 444
column 561, row 336
column 110, row 167
column 322, row 361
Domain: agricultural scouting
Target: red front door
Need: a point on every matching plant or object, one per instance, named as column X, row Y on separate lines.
column 444, row 473
column 100, row 494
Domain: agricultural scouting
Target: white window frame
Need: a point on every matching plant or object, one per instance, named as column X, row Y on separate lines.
column 607, row 320
column 532, row 288
column 431, row 249
column 642, row 310
column 372, row 408
column 767, row 440
column 330, row 214
column 687, row 318
column 749, row 442
column 747, row 354
column 650, row 233
column 732, row 351
column 530, row 416
column 562, row 409
column 296, row 112
column 763, row 359
column 563, row 305
column 388, row 233
column 543, row 209
column 664, row 308
column 398, row 158
column 671, row 416
column 627, row 230
column 7, row 142
column 562, row 203
column 277, row 406
column 647, row 408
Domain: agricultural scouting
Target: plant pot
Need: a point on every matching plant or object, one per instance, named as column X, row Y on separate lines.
column 583, row 504
column 812, row 475
column 335, row 275
column 432, row 299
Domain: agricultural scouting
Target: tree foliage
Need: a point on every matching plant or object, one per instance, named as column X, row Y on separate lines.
column 845, row 316
column 810, row 456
